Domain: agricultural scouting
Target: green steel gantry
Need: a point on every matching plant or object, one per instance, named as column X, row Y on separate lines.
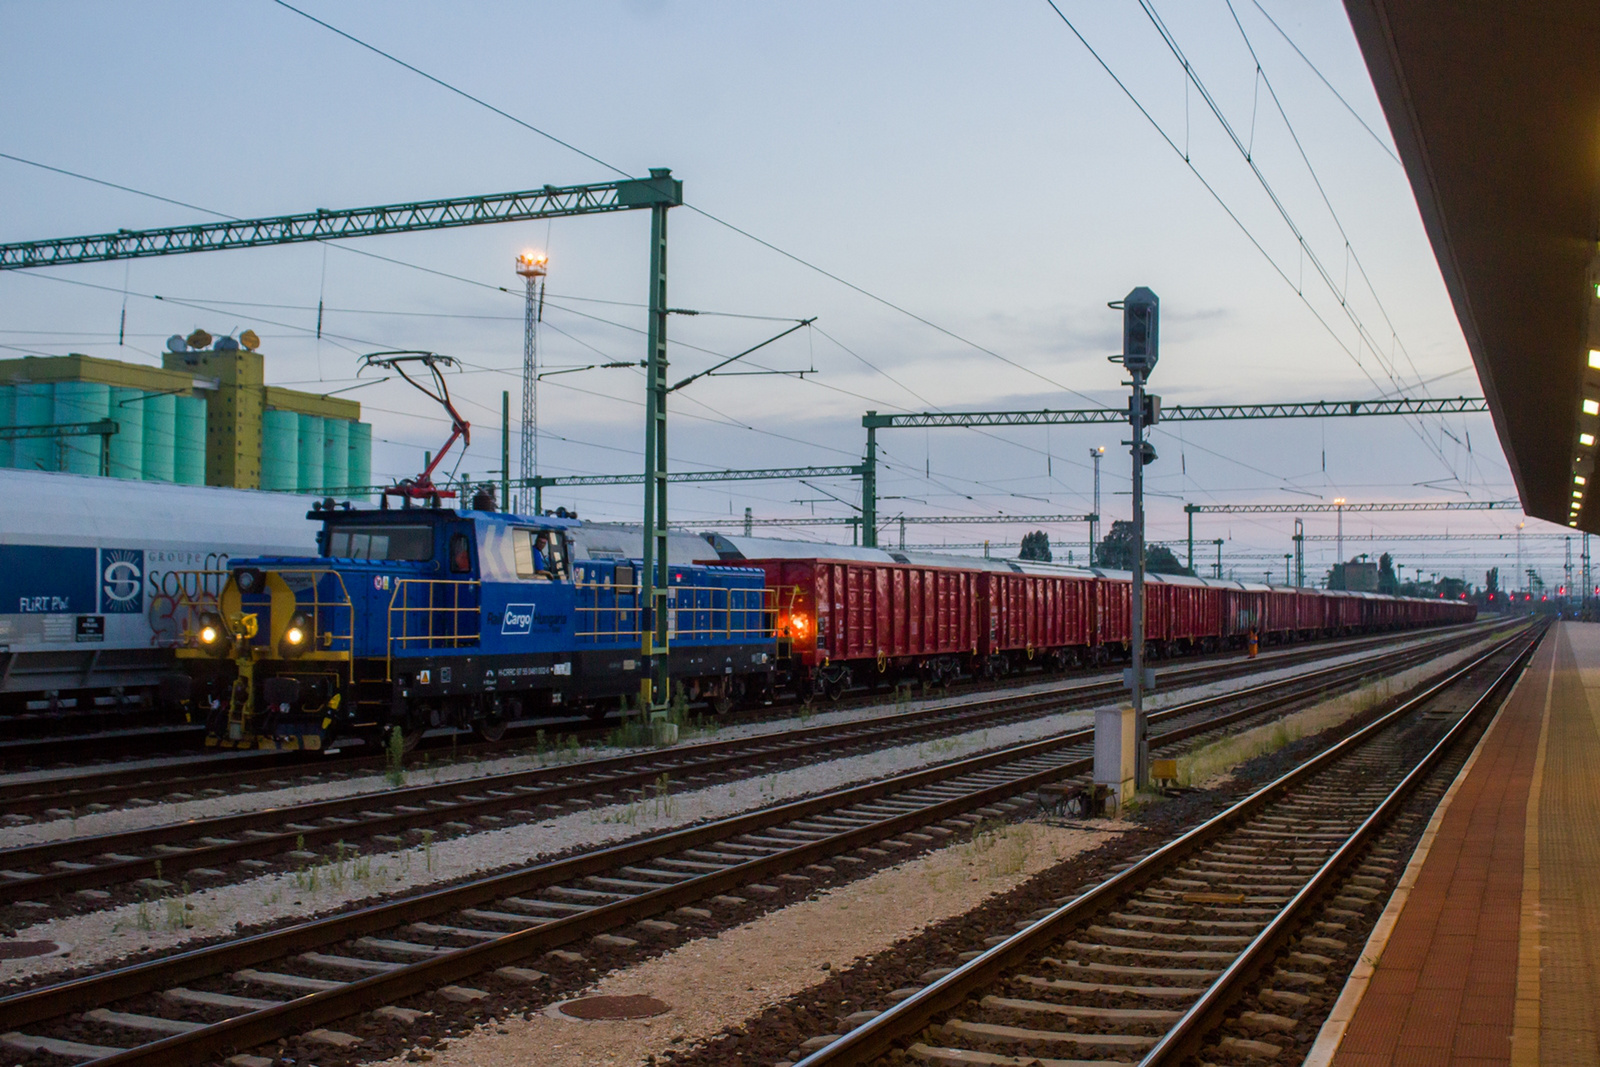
column 658, row 193
column 104, row 429
column 1315, row 409
column 1300, row 536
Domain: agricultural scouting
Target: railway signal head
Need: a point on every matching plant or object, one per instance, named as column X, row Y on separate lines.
column 1141, row 330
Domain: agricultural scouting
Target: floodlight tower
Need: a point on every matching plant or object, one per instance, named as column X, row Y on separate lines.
column 531, row 267
column 1096, row 454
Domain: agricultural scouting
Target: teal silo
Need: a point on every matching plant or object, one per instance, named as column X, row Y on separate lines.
column 280, row 451
column 189, row 440
column 335, row 455
column 8, row 411
column 311, row 438
column 127, row 445
column 81, row 402
column 360, row 456
column 33, row 405
column 160, row 437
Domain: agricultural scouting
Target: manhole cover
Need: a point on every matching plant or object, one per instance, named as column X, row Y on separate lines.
column 637, row 1007
column 21, row 950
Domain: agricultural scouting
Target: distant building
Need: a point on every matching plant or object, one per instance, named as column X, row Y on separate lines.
column 1357, row 576
column 205, row 417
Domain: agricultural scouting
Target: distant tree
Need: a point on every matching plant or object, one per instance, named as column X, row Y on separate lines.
column 1451, row 588
column 1116, row 552
column 1491, row 581
column 1036, row 546
column 1387, row 582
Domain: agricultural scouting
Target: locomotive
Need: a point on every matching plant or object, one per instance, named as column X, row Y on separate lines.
column 425, row 617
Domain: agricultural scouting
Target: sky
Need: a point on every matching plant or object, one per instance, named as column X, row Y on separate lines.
column 954, row 191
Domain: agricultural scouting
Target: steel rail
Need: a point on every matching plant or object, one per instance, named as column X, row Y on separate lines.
column 910, row 1016
column 306, row 1012
column 545, row 786
column 1205, row 1013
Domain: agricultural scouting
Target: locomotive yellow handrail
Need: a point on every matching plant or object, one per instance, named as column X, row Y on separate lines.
column 441, row 620
column 288, row 599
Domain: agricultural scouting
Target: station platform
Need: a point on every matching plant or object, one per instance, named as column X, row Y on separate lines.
column 1489, row 950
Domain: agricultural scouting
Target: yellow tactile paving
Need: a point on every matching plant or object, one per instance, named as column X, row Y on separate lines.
column 1569, row 848
column 1525, row 1017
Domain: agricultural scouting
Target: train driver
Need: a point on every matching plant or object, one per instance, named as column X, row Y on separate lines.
column 541, row 554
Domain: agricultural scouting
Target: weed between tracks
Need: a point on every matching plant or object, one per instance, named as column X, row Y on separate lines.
column 657, row 797
column 1212, row 760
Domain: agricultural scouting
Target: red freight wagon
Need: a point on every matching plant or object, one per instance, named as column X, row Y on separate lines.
column 1191, row 610
column 1112, row 631
column 1282, row 614
column 1031, row 613
column 848, row 619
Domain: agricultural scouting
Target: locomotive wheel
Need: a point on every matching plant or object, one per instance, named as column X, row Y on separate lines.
column 491, row 730
column 410, row 738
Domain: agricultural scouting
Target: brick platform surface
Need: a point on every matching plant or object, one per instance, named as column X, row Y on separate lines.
column 1446, row 988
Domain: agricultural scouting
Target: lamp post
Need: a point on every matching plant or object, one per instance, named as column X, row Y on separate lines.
column 1094, row 520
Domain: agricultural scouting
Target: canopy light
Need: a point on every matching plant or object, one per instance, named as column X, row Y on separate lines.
column 1591, row 407
column 1578, row 479
column 1594, row 358
column 1586, row 439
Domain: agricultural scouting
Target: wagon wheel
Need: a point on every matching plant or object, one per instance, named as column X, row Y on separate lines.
column 835, row 688
column 492, row 730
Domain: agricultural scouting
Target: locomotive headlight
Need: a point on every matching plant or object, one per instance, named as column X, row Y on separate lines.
column 213, row 635
column 248, row 580
column 295, row 636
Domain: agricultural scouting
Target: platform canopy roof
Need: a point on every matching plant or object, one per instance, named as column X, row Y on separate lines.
column 1495, row 109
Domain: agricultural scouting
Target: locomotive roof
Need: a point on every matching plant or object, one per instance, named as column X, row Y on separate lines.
column 349, row 513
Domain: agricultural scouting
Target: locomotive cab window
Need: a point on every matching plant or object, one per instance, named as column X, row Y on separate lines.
column 409, row 543
column 541, row 555
column 460, row 554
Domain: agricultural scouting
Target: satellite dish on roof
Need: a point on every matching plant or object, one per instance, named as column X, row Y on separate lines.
column 250, row 340
column 199, row 339
column 226, row 344
column 176, row 343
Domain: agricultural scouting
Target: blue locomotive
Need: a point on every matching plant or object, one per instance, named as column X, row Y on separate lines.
column 419, row 617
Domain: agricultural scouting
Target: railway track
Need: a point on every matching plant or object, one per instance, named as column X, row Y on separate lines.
column 140, row 860
column 97, row 788
column 1249, row 910
column 206, row 1003
column 98, row 753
